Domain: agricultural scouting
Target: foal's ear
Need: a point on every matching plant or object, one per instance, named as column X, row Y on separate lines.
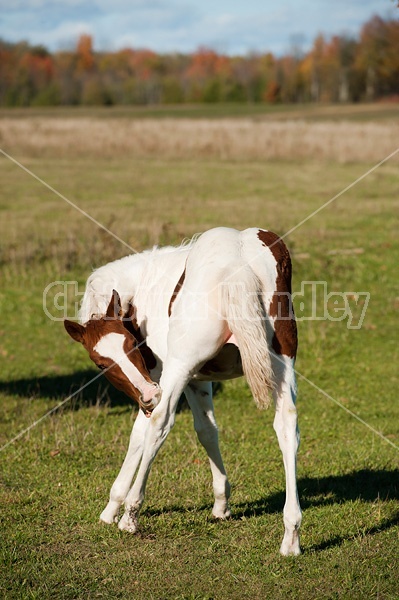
column 75, row 330
column 114, row 310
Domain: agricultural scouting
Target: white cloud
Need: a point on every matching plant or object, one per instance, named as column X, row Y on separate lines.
column 183, row 25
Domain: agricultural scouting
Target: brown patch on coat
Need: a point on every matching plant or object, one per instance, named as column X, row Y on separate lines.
column 176, row 291
column 285, row 339
column 130, row 323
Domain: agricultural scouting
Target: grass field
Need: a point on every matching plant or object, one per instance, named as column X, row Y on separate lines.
column 56, row 478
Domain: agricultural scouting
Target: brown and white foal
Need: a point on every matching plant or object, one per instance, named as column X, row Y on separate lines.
column 214, row 309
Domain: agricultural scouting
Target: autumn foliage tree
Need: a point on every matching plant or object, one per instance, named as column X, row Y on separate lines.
column 335, row 69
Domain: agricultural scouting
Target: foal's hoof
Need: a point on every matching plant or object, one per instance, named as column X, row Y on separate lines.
column 108, row 519
column 104, row 522
column 221, row 514
column 128, row 523
column 109, row 514
column 290, row 547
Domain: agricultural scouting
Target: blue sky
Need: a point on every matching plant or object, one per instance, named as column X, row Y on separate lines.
column 231, row 27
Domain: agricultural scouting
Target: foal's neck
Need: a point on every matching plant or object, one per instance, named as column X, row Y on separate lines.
column 136, row 278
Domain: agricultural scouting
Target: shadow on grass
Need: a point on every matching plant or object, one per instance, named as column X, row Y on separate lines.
column 59, row 387
column 365, row 485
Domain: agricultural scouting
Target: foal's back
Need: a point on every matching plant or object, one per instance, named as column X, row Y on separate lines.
column 222, row 253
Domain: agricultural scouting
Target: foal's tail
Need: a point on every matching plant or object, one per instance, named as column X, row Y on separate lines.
column 246, row 318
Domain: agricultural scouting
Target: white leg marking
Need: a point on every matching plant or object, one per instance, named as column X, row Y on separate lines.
column 122, row 483
column 286, row 428
column 199, row 397
column 173, row 382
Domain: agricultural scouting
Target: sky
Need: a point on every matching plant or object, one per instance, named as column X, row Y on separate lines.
column 230, row 27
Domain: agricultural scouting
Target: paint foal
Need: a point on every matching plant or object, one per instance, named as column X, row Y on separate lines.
column 214, row 309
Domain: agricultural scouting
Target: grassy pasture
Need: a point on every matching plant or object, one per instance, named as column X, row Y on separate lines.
column 55, row 480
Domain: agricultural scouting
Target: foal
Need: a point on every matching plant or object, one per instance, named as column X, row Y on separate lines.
column 215, row 309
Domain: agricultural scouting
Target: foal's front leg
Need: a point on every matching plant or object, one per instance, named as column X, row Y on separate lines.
column 123, row 482
column 173, row 381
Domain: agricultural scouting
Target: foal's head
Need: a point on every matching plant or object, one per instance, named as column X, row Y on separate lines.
column 115, row 350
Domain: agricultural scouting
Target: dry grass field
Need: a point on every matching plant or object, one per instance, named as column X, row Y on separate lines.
column 338, row 138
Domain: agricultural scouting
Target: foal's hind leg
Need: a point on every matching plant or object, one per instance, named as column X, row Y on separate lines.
column 123, row 482
column 286, row 428
column 199, row 397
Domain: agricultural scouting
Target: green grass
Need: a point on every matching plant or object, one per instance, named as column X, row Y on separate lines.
column 55, row 480
column 308, row 112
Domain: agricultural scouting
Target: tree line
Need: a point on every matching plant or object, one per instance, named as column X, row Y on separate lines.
column 335, row 69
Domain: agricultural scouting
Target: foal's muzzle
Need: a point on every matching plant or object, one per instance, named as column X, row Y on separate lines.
column 150, row 400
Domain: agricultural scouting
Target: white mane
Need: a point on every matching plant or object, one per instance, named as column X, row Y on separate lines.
column 125, row 273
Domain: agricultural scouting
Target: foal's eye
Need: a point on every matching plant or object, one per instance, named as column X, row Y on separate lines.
column 102, row 367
